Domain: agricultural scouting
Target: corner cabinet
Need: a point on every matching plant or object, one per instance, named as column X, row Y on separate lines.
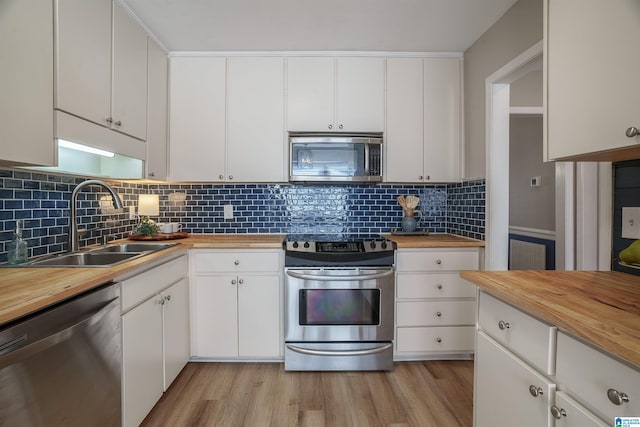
column 335, row 94
column 424, row 120
column 237, row 304
column 592, row 84
column 435, row 308
column 155, row 335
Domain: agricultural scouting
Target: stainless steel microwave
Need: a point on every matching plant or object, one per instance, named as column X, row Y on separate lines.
column 335, row 157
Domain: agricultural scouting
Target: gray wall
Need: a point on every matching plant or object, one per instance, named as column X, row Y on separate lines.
column 517, row 30
column 531, row 207
column 527, row 91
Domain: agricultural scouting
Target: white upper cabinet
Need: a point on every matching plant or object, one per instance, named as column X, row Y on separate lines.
column 424, row 120
column 335, row 94
column 592, row 85
column 95, row 80
column 156, row 163
column 26, row 82
column 197, row 129
column 255, row 120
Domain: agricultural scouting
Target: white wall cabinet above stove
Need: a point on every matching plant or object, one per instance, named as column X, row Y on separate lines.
column 424, row 120
column 335, row 94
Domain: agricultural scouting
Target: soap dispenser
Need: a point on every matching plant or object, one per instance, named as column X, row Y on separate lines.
column 17, row 247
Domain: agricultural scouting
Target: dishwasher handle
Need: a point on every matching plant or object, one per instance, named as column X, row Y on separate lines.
column 330, row 278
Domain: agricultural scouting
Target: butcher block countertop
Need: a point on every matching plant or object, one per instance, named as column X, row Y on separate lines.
column 602, row 308
column 25, row 290
column 433, row 241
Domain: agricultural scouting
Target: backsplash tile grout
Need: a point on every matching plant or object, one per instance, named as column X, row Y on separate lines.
column 42, row 200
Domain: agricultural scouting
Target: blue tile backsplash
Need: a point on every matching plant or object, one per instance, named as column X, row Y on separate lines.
column 42, row 200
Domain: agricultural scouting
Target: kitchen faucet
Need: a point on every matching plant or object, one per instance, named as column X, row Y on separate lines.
column 74, row 242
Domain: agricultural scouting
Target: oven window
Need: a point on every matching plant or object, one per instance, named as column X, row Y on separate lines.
column 339, row 306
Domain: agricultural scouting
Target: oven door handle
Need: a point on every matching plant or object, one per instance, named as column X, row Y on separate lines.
column 313, row 352
column 339, row 278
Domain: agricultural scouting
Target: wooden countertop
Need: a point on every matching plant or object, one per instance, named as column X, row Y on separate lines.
column 434, row 241
column 25, row 290
column 600, row 307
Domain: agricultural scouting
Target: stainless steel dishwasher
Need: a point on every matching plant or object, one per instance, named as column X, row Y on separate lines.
column 62, row 366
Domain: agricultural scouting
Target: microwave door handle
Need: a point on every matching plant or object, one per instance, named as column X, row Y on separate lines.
column 367, row 166
column 339, row 278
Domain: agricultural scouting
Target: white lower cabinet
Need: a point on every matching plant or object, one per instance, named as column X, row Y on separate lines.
column 155, row 335
column 569, row 413
column 435, row 308
column 237, row 303
column 508, row 391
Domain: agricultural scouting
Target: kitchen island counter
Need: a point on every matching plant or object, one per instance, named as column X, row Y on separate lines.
column 602, row 308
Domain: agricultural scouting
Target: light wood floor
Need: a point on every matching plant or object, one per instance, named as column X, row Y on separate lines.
column 424, row 394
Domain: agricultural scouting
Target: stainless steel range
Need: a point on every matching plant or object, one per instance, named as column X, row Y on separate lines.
column 339, row 302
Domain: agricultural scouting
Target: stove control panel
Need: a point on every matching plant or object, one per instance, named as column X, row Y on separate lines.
column 300, row 246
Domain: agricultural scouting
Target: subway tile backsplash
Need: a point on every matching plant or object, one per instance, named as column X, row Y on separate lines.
column 43, row 200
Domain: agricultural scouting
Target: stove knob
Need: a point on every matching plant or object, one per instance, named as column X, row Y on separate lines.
column 384, row 245
column 373, row 245
column 295, row 245
column 306, row 244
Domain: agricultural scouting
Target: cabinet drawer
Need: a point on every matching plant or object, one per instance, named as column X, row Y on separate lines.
column 144, row 285
column 576, row 414
column 590, row 373
column 526, row 336
column 437, row 339
column 241, row 261
column 435, row 313
column 440, row 260
column 433, row 285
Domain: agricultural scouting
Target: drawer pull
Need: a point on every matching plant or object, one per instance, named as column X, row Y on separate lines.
column 503, row 325
column 558, row 413
column 438, row 314
column 233, row 282
column 438, row 340
column 535, row 391
column 616, row 397
column 236, row 262
column 438, row 261
column 240, row 282
column 439, row 287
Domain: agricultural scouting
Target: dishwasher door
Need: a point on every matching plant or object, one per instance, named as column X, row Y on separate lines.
column 62, row 366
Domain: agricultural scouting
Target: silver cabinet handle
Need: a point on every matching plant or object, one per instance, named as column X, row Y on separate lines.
column 168, row 297
column 118, row 123
column 236, row 262
column 240, row 282
column 616, row 397
column 438, row 314
column 558, row 413
column 340, row 126
column 162, row 301
column 535, row 391
column 233, row 282
column 428, row 177
column 330, row 126
column 632, row 132
column 220, row 176
column 420, row 178
column 230, row 176
column 439, row 287
column 109, row 120
column 152, row 174
column 503, row 325
column 438, row 340
column 438, row 261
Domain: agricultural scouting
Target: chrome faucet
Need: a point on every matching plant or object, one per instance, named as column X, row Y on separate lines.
column 74, row 242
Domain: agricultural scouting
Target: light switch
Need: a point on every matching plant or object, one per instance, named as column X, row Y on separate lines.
column 631, row 223
column 228, row 211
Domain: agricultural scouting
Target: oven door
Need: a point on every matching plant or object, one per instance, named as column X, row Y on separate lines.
column 339, row 305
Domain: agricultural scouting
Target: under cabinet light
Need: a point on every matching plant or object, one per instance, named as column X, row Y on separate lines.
column 85, row 148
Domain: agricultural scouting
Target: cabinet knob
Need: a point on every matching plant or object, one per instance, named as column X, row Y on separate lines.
column 109, row 120
column 152, row 174
column 420, row 178
column 161, row 301
column 439, row 287
column 438, row 340
column 558, row 413
column 220, row 176
column 330, row 126
column 233, row 282
column 438, row 261
column 240, row 282
column 168, row 298
column 535, row 391
column 236, row 262
column 503, row 325
column 438, row 314
column 230, row 176
column 118, row 123
column 632, row 132
column 616, row 397
column 428, row 177
column 340, row 126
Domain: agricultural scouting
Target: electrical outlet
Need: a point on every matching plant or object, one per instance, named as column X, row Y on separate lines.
column 132, row 211
column 228, row 211
column 631, row 223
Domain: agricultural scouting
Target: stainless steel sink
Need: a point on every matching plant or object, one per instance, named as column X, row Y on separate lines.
column 134, row 247
column 86, row 259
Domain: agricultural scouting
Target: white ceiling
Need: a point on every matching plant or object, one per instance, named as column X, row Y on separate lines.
column 324, row 25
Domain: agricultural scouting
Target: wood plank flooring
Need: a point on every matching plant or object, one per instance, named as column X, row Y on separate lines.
column 421, row 394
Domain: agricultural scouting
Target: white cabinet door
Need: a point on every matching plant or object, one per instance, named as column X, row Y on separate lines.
column 83, row 85
column 129, row 93
column 142, row 368
column 404, row 135
column 360, row 94
column 572, row 414
column 255, row 119
column 592, row 83
column 310, row 94
column 197, row 119
column 175, row 318
column 259, row 316
column 156, row 163
column 442, row 119
column 216, row 315
column 502, row 389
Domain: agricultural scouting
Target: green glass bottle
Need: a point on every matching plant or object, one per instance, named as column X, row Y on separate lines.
column 17, row 247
